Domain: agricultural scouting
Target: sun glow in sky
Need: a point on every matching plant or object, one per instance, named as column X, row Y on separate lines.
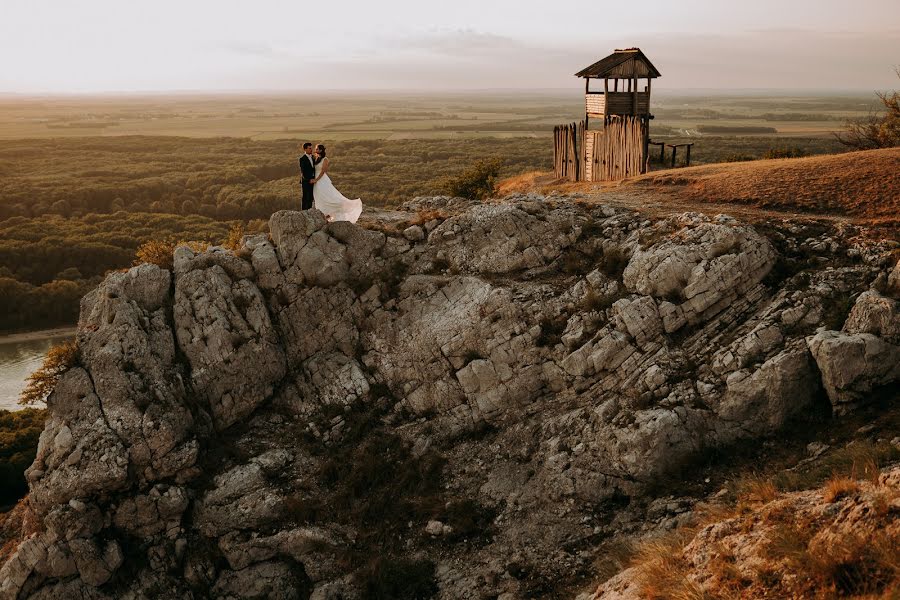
column 136, row 45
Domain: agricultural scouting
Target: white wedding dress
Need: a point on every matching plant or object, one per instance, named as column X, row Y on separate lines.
column 330, row 201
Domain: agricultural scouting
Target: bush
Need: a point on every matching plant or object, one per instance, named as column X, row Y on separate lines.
column 161, row 252
column 784, row 153
column 41, row 383
column 876, row 131
column 19, row 433
column 477, row 182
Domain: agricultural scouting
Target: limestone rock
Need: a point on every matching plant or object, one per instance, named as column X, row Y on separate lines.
column 242, row 498
column 875, row 314
column 853, row 365
column 223, row 328
column 893, row 281
column 126, row 345
column 700, row 269
column 500, row 239
column 79, row 454
column 782, row 389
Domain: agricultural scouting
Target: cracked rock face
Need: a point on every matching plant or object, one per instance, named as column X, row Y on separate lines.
column 198, row 445
column 224, row 330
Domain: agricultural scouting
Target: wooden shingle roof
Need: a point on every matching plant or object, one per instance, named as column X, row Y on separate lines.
column 621, row 64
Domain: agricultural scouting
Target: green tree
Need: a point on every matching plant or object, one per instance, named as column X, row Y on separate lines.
column 477, row 182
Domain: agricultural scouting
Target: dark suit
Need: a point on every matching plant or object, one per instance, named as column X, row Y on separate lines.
column 307, row 172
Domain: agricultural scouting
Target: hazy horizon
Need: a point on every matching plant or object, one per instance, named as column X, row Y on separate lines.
column 102, row 46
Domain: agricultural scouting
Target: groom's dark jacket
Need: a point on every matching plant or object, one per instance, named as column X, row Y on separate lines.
column 307, row 169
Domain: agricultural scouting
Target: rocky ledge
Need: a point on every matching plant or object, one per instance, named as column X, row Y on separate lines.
column 461, row 405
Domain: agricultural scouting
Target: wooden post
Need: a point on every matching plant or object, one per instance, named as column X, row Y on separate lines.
column 687, row 157
column 662, row 154
column 674, row 149
column 634, row 98
column 587, row 88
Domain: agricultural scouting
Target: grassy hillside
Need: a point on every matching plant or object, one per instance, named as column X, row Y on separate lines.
column 856, row 184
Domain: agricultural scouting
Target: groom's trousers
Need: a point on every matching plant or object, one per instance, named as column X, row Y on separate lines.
column 307, row 202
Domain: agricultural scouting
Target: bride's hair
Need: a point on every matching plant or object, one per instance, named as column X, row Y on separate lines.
column 321, row 150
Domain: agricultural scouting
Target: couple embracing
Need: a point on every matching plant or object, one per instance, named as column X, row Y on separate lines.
column 319, row 192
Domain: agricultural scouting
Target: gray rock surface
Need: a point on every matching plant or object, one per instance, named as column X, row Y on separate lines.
column 243, row 425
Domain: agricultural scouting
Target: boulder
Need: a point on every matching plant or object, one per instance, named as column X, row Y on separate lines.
column 875, row 314
column 853, row 365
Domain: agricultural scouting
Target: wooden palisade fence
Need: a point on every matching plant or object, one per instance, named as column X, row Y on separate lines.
column 568, row 154
column 617, row 151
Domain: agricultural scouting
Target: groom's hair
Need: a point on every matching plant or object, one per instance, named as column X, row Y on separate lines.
column 307, row 145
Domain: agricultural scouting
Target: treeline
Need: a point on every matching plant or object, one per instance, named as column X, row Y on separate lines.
column 229, row 178
column 47, row 263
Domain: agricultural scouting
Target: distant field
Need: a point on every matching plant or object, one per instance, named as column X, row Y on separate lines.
column 396, row 116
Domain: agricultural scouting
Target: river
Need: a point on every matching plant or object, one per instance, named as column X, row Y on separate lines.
column 20, row 355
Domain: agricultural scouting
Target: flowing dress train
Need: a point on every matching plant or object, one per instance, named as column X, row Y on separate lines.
column 333, row 203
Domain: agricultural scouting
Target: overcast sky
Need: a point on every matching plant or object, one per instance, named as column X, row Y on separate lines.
column 137, row 45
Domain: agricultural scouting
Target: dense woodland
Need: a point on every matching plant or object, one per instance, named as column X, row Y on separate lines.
column 228, row 178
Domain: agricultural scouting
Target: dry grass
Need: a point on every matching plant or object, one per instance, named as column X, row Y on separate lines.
column 801, row 551
column 235, row 238
column 60, row 358
column 754, row 489
column 862, row 185
column 160, row 252
column 857, row 184
column 839, row 487
column 662, row 570
column 424, row 216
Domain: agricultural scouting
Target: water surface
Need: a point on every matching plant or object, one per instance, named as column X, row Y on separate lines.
column 20, row 355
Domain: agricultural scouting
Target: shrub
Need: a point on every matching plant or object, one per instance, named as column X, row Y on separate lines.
column 875, row 131
column 156, row 252
column 468, row 519
column 784, row 153
column 235, row 238
column 477, row 182
column 738, row 157
column 161, row 252
column 60, row 358
column 552, row 329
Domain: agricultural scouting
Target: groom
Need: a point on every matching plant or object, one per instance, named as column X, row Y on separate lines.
column 307, row 174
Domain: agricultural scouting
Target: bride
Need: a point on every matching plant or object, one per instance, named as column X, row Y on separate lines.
column 327, row 198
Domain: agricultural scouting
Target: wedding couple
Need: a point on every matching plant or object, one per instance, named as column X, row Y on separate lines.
column 319, row 192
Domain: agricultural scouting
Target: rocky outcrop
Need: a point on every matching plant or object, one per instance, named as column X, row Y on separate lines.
column 248, row 425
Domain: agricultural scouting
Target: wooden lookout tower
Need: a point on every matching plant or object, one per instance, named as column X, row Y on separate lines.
column 611, row 142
